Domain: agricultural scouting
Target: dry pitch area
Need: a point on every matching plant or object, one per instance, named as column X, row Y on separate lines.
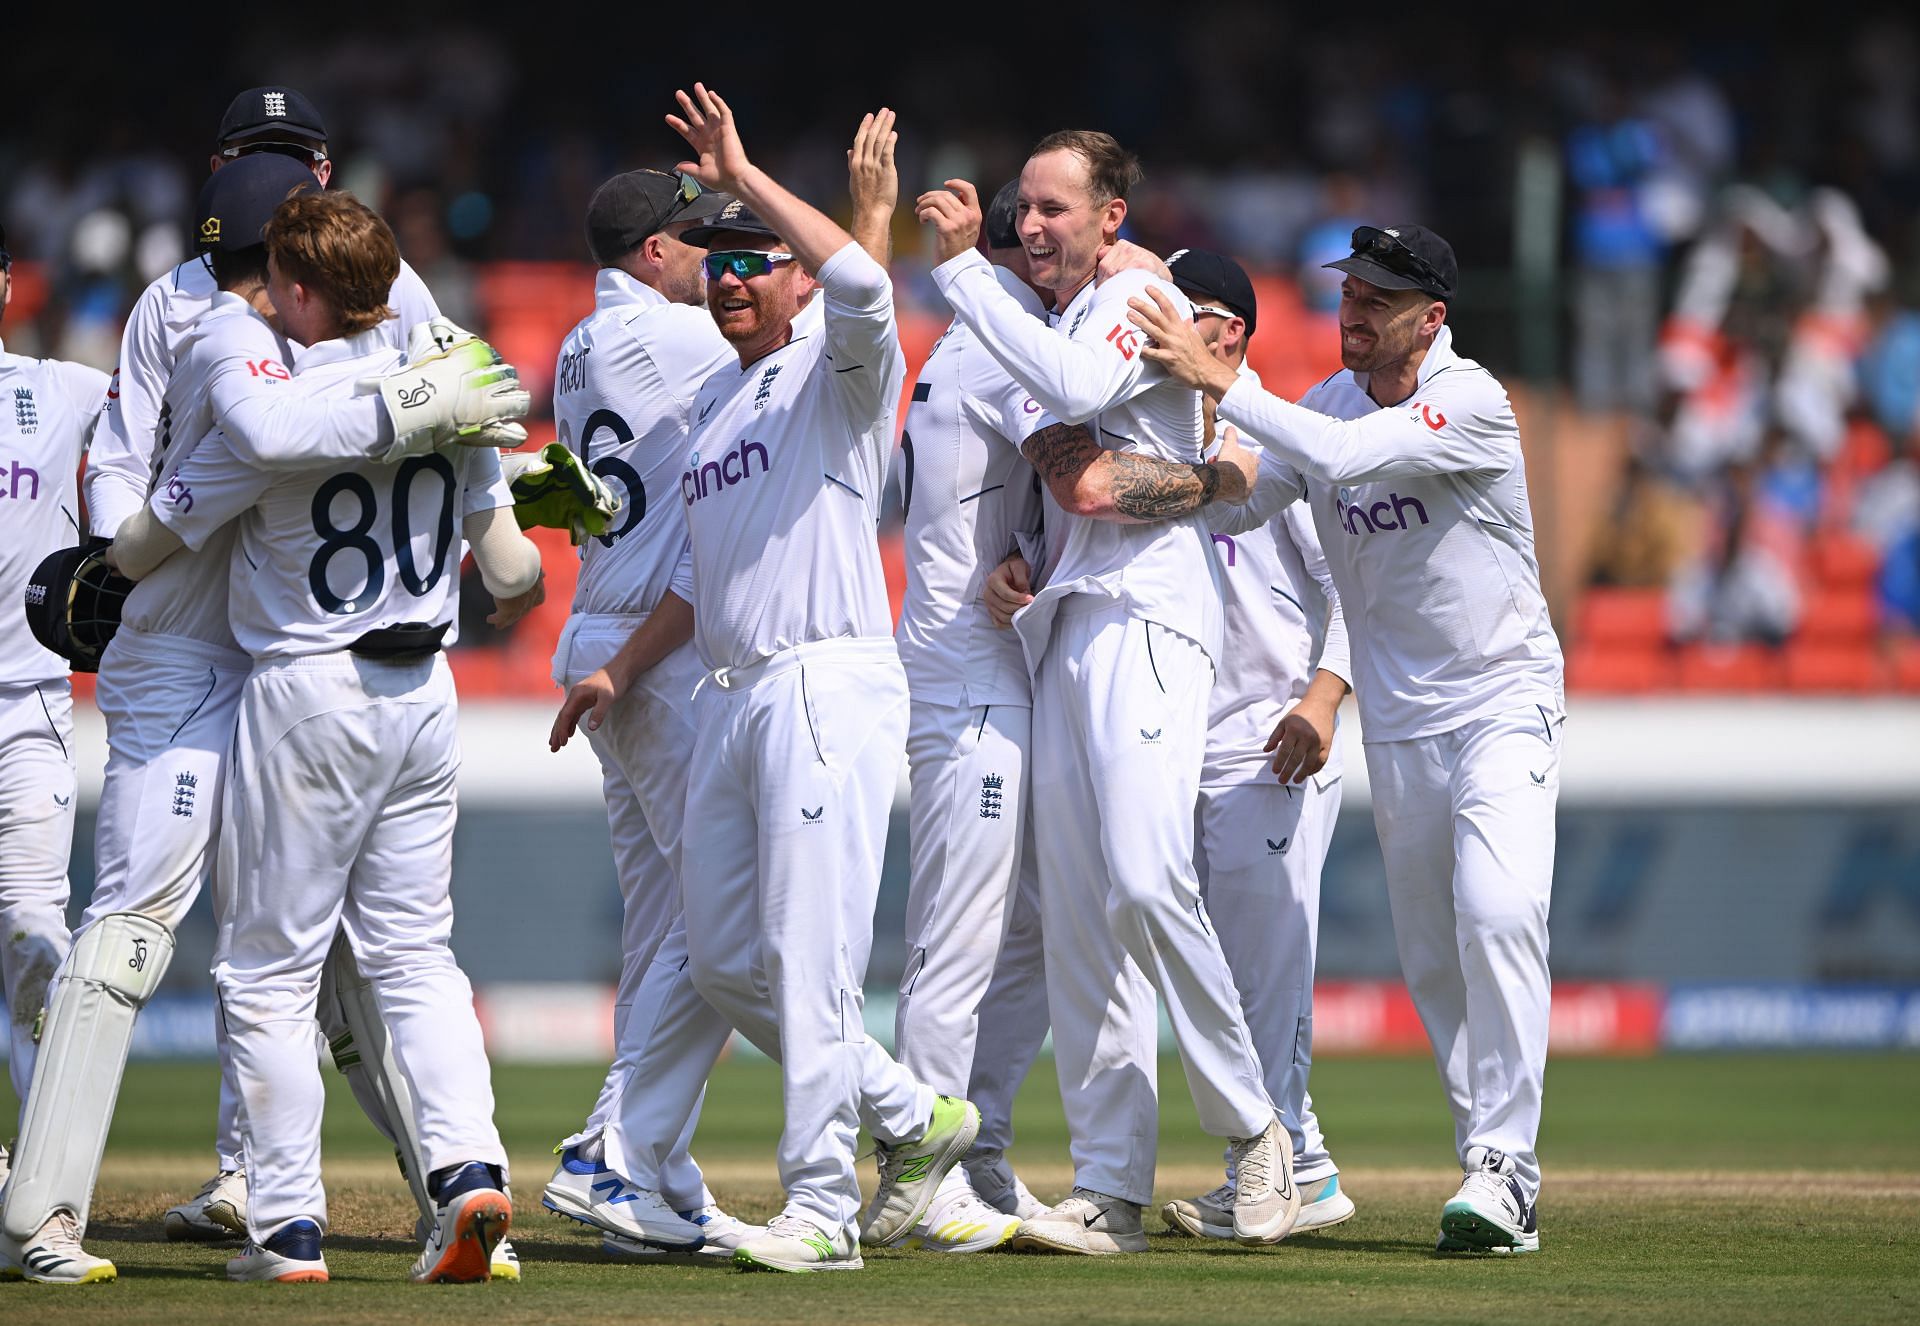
column 1739, row 1189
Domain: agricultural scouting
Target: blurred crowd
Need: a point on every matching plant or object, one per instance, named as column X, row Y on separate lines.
column 1734, row 263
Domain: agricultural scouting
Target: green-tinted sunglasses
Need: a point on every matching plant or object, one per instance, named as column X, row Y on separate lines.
column 743, row 263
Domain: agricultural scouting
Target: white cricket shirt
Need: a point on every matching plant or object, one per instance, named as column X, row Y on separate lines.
column 1422, row 510
column 326, row 555
column 48, row 409
column 1089, row 370
column 967, row 491
column 782, row 483
column 623, row 402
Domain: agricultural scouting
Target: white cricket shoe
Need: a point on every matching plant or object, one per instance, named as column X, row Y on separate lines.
column 290, row 1256
column 1087, row 1222
column 1265, row 1201
column 1491, row 1212
column 724, row 1233
column 216, row 1213
column 911, row 1173
column 958, row 1221
column 1322, row 1205
column 53, row 1256
column 466, row 1230
column 506, row 1262
column 6, row 1164
column 794, row 1243
column 999, row 1187
column 587, row 1191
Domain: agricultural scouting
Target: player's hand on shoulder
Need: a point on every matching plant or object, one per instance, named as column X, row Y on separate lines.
column 508, row 611
column 954, row 213
column 1126, row 256
column 1008, row 589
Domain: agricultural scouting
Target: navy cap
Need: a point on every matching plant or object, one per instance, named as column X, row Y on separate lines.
column 1402, row 258
column 1002, row 221
column 736, row 216
column 240, row 198
column 1217, row 279
column 628, row 208
column 260, row 109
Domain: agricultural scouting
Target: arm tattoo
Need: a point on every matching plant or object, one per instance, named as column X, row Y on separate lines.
column 1060, row 451
column 1149, row 489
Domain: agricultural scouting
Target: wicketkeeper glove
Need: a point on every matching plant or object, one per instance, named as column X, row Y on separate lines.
column 455, row 389
column 552, row 488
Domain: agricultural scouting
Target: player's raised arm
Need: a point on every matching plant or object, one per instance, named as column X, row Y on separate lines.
column 873, row 183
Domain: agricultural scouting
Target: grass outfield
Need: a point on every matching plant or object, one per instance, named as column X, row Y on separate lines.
column 1737, row 1189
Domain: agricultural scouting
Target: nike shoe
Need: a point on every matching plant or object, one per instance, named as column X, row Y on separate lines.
column 1265, row 1201
column 290, row 1256
column 53, row 1256
column 1206, row 1217
column 1087, row 1222
column 587, row 1191
column 215, row 1214
column 723, row 1232
column 794, row 1243
column 1323, row 1204
column 958, row 1221
column 999, row 1187
column 471, row 1218
column 1491, row 1212
column 910, row 1173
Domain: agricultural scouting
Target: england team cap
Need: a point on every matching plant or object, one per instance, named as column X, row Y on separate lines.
column 260, row 109
column 240, row 198
column 628, row 208
column 1402, row 258
column 1217, row 279
column 735, row 218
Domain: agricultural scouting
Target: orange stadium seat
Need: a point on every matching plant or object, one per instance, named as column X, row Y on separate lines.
column 1906, row 665
column 1730, row 668
column 1845, row 561
column 1628, row 618
column 1851, row 669
column 1614, row 670
column 1850, row 616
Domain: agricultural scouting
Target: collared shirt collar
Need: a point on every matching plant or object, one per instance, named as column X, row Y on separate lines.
column 342, row 348
column 613, row 288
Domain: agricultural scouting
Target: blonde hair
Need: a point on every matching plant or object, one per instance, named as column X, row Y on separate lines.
column 337, row 246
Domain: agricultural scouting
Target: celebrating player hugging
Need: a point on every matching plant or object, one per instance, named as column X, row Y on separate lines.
column 1139, row 587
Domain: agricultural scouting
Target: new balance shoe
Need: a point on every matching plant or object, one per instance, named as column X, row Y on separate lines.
column 1490, row 1212
column 958, row 1221
column 471, row 1217
column 215, row 1214
column 1323, row 1204
column 1206, row 1217
column 290, row 1256
column 1087, row 1222
column 1265, row 1201
column 794, row 1243
column 587, row 1191
column 723, row 1232
column 910, row 1173
column 999, row 1187
column 53, row 1256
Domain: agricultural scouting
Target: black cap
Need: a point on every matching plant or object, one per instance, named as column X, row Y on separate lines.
column 1402, row 258
column 260, row 109
column 1002, row 222
column 6, row 259
column 1217, row 279
column 240, row 198
column 735, row 216
column 628, row 208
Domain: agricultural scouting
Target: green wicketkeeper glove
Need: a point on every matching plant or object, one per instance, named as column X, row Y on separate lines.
column 552, row 488
column 455, row 389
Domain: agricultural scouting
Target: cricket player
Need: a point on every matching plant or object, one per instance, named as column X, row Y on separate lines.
column 1121, row 643
column 168, row 686
column 623, row 397
column 1418, row 491
column 970, row 498
column 340, row 798
column 801, row 725
column 48, row 410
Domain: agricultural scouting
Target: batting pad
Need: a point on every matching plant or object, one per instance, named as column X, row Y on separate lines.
column 113, row 969
column 370, row 1055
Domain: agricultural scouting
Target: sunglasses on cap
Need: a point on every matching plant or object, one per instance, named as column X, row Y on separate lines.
column 1387, row 250
column 689, row 194
column 298, row 151
column 1215, row 309
column 743, row 263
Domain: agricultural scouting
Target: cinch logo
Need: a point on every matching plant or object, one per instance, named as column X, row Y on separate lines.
column 1232, row 552
column 13, row 482
column 1388, row 514
column 735, row 467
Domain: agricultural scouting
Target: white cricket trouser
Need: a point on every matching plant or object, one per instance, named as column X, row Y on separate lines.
column 967, row 768
column 36, row 835
column 1013, row 1012
column 1261, row 849
column 644, row 748
column 340, row 814
column 1466, row 827
column 1120, row 722
column 169, row 703
column 794, row 772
